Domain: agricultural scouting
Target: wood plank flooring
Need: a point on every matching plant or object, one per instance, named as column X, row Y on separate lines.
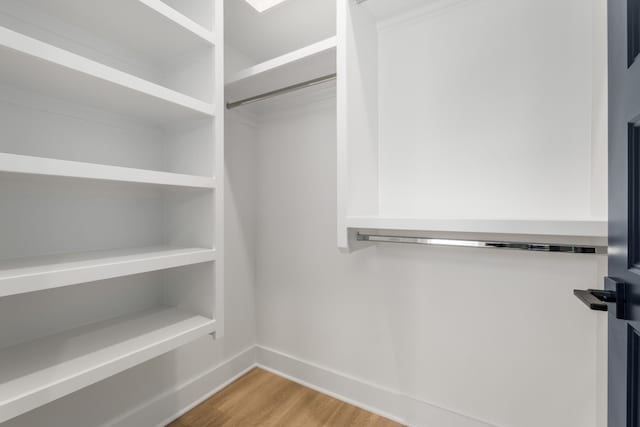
column 263, row 399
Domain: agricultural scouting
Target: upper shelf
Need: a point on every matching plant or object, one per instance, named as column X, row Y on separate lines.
column 38, row 372
column 284, row 28
column 32, row 64
column 582, row 228
column 150, row 27
column 316, row 60
column 14, row 163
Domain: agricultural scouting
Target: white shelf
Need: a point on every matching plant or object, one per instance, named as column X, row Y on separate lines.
column 108, row 75
column 32, row 64
column 46, row 272
column 38, row 372
column 13, row 163
column 316, row 60
column 582, row 228
column 150, row 27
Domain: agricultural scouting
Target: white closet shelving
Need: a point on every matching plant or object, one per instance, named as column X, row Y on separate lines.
column 37, row 372
column 584, row 228
column 290, row 44
column 310, row 62
column 173, row 32
column 53, row 271
column 483, row 137
column 112, row 165
column 26, row 60
column 30, row 165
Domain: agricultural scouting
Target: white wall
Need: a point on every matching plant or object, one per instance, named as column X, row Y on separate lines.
column 495, row 336
column 149, row 394
column 493, row 108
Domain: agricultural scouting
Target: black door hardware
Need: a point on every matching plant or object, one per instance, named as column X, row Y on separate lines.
column 595, row 299
column 598, row 299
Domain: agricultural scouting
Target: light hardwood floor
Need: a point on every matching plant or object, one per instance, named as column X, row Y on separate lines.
column 261, row 398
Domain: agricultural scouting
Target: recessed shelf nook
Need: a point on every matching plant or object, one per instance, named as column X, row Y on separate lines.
column 413, row 156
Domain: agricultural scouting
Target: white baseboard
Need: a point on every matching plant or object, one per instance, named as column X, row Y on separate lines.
column 173, row 403
column 373, row 398
column 388, row 403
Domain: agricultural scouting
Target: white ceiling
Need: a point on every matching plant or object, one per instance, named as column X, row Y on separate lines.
column 282, row 29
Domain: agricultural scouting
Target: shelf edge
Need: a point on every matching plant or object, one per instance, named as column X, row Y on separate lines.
column 44, row 166
column 284, row 60
column 41, row 396
column 59, row 276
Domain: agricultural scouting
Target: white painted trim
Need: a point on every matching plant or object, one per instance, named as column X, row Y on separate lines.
column 370, row 397
column 374, row 398
column 201, row 387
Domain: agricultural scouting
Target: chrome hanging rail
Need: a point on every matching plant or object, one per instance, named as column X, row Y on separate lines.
column 284, row 90
column 536, row 247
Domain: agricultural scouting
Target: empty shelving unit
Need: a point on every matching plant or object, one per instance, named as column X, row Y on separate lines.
column 317, row 61
column 112, row 180
column 441, row 143
column 290, row 45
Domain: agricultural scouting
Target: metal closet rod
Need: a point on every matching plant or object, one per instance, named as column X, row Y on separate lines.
column 535, row 247
column 284, row 90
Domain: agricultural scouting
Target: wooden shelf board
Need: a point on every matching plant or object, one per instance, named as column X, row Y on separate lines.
column 316, row 60
column 34, row 65
column 53, row 271
column 14, row 163
column 35, row 373
column 160, row 32
column 582, row 228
